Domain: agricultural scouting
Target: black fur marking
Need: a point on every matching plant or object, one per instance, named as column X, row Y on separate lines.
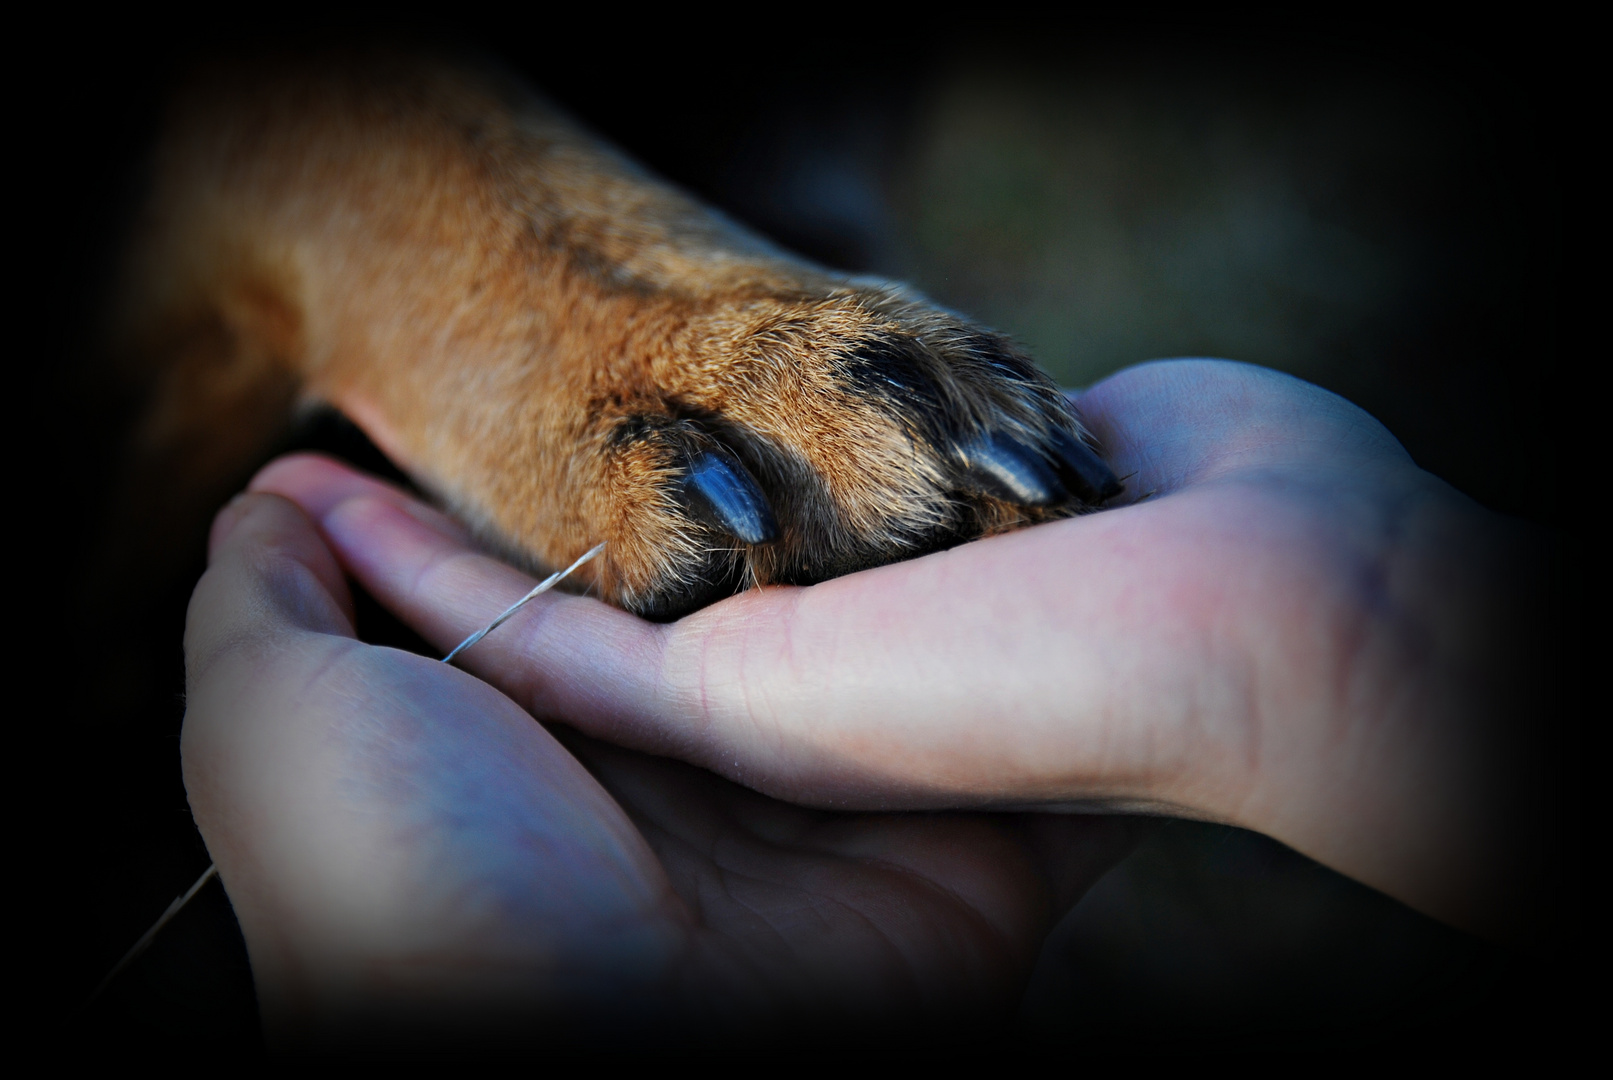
column 891, row 371
column 632, row 429
column 1004, row 360
column 721, row 576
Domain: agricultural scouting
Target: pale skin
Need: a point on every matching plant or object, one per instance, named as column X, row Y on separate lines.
column 1288, row 627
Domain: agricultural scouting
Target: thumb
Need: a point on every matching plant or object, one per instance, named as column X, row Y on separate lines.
column 269, row 574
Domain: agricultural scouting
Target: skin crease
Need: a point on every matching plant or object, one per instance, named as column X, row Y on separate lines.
column 1290, row 628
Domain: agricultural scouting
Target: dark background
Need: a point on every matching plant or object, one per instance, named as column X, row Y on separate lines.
column 1377, row 212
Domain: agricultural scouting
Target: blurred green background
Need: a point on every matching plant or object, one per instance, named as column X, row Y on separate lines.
column 1379, row 217
column 1105, row 217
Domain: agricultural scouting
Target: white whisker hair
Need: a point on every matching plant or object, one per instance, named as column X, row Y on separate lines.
column 212, row 869
column 542, row 587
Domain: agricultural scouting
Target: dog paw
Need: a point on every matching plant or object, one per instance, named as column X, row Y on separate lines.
column 563, row 349
column 794, row 440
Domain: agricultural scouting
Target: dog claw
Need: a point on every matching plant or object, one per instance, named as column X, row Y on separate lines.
column 1083, row 470
column 719, row 492
column 997, row 465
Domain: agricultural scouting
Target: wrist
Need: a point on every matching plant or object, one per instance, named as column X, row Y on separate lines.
column 1418, row 770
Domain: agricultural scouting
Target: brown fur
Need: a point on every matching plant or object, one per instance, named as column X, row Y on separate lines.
column 539, row 333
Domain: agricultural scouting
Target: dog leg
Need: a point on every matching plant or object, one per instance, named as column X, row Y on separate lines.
column 566, row 350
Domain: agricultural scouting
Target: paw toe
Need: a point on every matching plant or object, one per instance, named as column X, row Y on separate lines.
column 836, row 441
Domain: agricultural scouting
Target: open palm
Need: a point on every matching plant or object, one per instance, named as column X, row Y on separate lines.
column 410, row 854
column 1285, row 625
column 1290, row 627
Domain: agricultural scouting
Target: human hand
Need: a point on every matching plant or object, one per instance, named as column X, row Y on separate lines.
column 1296, row 631
column 413, row 858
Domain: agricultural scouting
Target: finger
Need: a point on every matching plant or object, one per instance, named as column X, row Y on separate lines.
column 269, row 573
column 363, row 804
column 318, row 484
column 1172, row 423
column 563, row 657
column 863, row 691
column 383, row 537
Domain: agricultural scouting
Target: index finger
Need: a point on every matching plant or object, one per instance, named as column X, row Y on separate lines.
column 562, row 657
column 945, row 680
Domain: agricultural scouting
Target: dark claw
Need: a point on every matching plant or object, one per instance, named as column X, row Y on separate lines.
column 1082, row 469
column 722, row 494
column 997, row 465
